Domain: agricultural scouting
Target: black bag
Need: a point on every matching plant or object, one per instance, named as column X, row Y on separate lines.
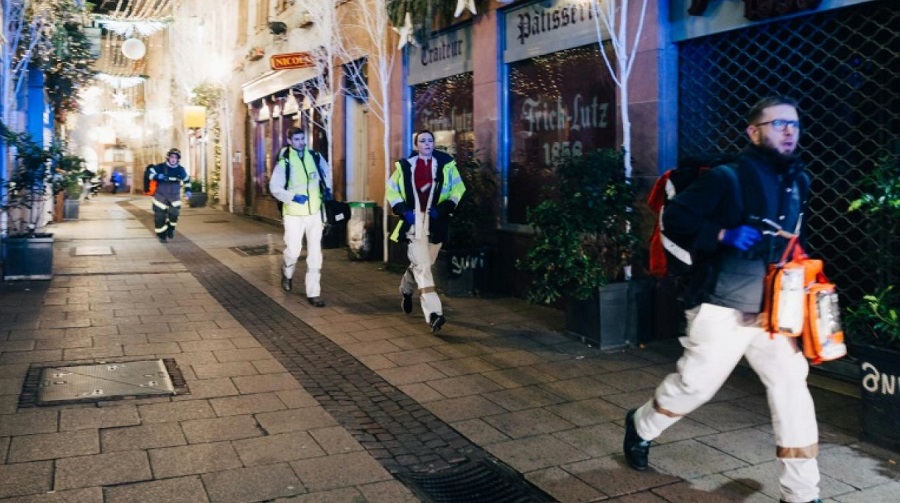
column 336, row 212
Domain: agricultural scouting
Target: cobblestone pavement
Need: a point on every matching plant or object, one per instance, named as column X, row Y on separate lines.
column 292, row 403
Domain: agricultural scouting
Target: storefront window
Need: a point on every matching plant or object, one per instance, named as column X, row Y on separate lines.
column 444, row 106
column 560, row 104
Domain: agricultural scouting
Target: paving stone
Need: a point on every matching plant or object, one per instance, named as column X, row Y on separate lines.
column 206, row 345
column 528, row 423
column 415, row 356
column 252, row 484
column 46, row 355
column 390, row 491
column 269, row 366
column 579, row 388
column 479, row 432
column 102, row 469
column 725, row 417
column 284, row 421
column 229, row 369
column 141, row 437
column 630, row 380
column 28, row 422
column 13, row 370
column 611, row 476
column 459, row 409
column 346, row 495
column 220, row 428
column 587, row 412
column 562, row 486
column 868, row 470
column 247, row 404
column 342, row 470
column 247, row 354
column 518, row 377
column 750, row 445
column 86, row 495
column 534, row 453
column 598, row 440
column 98, row 417
column 885, row 492
column 411, row 374
column 176, row 411
column 92, row 353
column 265, row 383
column 43, row 446
column 11, row 386
column 765, row 477
column 691, row 459
column 25, row 478
column 277, row 448
column 464, row 385
column 523, row 398
column 193, row 459
column 421, row 392
column 297, row 398
column 335, row 440
column 177, row 490
column 714, row 488
column 208, row 388
column 158, row 348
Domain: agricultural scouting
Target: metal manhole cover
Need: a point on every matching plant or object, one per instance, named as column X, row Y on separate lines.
column 104, row 381
column 252, row 251
column 482, row 481
column 89, row 251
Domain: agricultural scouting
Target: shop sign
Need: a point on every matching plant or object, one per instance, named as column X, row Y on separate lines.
column 546, row 27
column 447, row 54
column 292, row 60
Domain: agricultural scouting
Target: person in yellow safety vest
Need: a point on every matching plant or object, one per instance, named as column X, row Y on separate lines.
column 170, row 177
column 297, row 181
column 423, row 191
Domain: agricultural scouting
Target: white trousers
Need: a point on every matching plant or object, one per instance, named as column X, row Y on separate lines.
column 716, row 340
column 295, row 228
column 422, row 255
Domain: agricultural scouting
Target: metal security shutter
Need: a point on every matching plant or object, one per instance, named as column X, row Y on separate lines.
column 841, row 65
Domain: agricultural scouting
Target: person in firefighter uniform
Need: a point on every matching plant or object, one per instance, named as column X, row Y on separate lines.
column 301, row 194
column 170, row 177
column 423, row 191
column 715, row 217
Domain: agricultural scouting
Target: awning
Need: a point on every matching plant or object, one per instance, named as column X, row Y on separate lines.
column 272, row 82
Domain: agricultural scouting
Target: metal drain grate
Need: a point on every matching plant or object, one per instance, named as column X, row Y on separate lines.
column 252, row 251
column 480, row 481
column 76, row 383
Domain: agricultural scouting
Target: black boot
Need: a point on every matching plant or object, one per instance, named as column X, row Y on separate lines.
column 406, row 303
column 286, row 283
column 636, row 448
column 437, row 321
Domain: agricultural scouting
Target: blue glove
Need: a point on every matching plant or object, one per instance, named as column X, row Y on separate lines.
column 327, row 194
column 300, row 198
column 161, row 177
column 433, row 212
column 409, row 216
column 742, row 238
column 187, row 194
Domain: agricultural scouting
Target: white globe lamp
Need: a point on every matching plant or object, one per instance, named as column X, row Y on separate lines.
column 134, row 48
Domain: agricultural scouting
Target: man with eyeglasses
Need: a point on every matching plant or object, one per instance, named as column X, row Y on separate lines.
column 717, row 218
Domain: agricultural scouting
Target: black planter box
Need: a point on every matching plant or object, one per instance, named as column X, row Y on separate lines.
column 617, row 317
column 197, row 200
column 463, row 272
column 27, row 258
column 880, row 394
column 70, row 209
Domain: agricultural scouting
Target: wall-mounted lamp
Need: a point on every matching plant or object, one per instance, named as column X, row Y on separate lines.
column 194, row 117
column 277, row 28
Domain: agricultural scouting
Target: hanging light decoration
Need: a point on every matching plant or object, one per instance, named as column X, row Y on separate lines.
column 134, row 48
column 120, row 81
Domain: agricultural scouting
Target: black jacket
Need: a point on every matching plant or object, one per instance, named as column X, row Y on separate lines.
column 759, row 184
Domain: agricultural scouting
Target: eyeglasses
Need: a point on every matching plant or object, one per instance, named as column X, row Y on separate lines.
column 781, row 124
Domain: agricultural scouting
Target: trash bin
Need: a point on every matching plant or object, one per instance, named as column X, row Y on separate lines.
column 361, row 230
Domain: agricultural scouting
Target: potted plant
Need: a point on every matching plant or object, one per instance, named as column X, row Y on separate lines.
column 584, row 243
column 873, row 323
column 198, row 197
column 464, row 262
column 69, row 183
column 25, row 249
